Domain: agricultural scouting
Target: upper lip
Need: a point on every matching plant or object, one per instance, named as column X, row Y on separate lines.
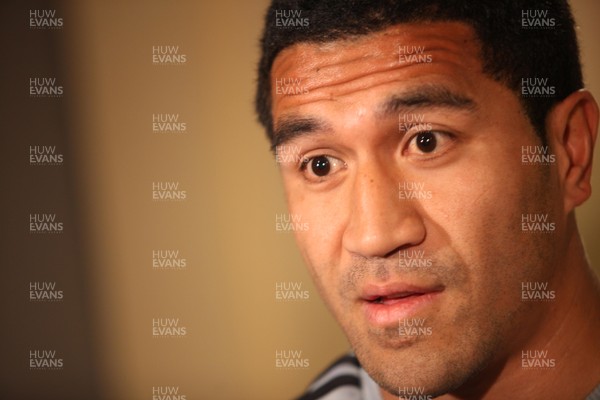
column 373, row 293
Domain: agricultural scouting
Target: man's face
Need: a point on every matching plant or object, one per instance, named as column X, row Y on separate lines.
column 410, row 177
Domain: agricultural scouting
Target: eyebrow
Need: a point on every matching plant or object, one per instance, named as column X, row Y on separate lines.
column 291, row 127
column 424, row 96
column 427, row 96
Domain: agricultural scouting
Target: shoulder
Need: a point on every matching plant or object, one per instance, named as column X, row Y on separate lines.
column 343, row 379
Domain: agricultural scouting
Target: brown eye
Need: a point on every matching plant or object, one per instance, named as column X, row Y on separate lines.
column 320, row 166
column 426, row 145
column 426, row 141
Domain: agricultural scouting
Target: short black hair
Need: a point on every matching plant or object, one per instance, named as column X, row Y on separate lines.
column 520, row 39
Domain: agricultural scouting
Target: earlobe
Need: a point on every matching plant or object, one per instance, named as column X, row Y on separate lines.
column 572, row 127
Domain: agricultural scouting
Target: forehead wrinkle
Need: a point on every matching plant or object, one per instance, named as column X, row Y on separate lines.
column 326, row 85
column 319, row 64
column 332, row 73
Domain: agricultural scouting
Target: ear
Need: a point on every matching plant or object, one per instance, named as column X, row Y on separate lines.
column 572, row 127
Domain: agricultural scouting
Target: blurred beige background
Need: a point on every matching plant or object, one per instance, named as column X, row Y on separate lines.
column 224, row 229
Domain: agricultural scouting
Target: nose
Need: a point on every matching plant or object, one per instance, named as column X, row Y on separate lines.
column 381, row 223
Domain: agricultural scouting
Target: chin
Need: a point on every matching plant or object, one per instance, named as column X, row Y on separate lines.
column 415, row 368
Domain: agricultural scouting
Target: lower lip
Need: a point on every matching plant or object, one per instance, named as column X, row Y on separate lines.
column 385, row 315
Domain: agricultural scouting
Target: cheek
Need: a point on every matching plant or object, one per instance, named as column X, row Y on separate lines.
column 479, row 197
column 479, row 214
column 320, row 243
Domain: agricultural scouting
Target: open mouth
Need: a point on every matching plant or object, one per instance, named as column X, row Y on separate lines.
column 385, row 305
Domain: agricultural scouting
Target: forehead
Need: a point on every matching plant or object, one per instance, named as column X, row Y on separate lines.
column 400, row 54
